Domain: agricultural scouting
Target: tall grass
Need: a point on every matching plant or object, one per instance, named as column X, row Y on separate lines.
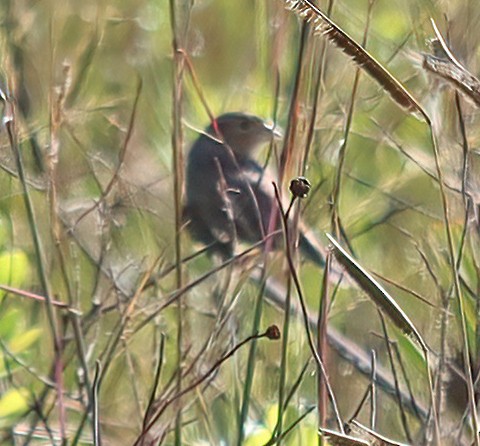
column 116, row 328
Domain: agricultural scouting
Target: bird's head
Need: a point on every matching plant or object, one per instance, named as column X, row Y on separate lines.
column 242, row 132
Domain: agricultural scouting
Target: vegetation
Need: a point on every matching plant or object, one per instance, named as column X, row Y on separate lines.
column 116, row 328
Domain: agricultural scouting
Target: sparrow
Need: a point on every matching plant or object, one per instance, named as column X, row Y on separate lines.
column 229, row 196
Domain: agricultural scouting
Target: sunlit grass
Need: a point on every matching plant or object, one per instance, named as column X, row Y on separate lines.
column 74, row 73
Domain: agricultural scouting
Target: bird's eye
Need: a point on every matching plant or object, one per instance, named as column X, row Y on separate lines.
column 245, row 125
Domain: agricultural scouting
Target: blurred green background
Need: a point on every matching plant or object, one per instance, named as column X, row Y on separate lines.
column 76, row 70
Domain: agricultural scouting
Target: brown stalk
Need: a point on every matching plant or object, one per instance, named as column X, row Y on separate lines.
column 323, row 25
column 296, row 281
column 270, row 333
column 445, row 65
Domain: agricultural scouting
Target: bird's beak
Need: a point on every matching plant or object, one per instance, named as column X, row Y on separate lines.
column 274, row 129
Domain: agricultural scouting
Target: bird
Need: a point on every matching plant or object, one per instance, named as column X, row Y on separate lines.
column 229, row 196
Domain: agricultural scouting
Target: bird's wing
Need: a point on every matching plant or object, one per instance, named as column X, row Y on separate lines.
column 208, row 208
column 260, row 181
column 251, row 198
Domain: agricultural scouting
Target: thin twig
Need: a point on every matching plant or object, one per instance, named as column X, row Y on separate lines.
column 303, row 306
